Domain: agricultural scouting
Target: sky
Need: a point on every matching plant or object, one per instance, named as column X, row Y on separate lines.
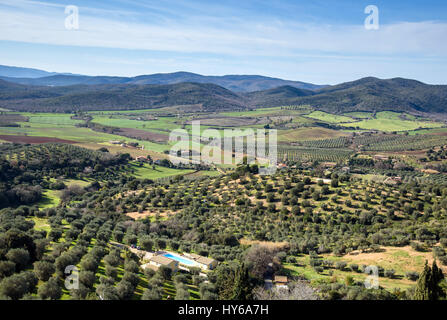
column 322, row 42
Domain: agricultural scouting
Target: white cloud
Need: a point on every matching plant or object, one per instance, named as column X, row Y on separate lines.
column 30, row 22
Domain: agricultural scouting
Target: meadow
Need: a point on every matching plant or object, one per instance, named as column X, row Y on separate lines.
column 391, row 121
column 328, row 117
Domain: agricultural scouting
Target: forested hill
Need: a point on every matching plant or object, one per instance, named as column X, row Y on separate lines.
column 237, row 83
column 372, row 94
column 367, row 94
column 116, row 97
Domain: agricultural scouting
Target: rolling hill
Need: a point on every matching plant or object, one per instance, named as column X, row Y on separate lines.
column 19, row 72
column 116, row 97
column 237, row 83
column 367, row 94
column 373, row 94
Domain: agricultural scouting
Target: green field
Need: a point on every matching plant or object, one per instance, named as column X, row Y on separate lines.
column 360, row 115
column 146, row 171
column 49, row 119
column 328, row 117
column 253, row 113
column 161, row 125
column 50, row 198
column 390, row 121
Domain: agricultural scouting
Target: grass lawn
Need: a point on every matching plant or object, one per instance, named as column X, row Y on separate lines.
column 50, row 198
column 41, row 224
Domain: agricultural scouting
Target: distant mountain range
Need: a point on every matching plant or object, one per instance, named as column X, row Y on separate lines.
column 367, row 94
column 18, row 72
column 237, row 83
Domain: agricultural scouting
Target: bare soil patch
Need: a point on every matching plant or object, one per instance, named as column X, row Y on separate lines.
column 404, row 257
column 269, row 244
column 145, row 214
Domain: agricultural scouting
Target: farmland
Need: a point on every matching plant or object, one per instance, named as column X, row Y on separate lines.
column 327, row 117
column 331, row 208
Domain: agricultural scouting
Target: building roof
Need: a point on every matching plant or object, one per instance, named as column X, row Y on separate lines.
column 282, row 279
column 201, row 259
column 205, row 260
column 329, row 164
column 162, row 260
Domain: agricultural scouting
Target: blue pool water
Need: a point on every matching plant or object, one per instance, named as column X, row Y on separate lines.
column 181, row 259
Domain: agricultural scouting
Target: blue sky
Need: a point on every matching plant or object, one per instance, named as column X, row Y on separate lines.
column 323, row 42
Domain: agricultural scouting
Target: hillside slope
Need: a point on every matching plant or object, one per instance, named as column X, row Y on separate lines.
column 367, row 94
column 237, row 83
column 116, row 97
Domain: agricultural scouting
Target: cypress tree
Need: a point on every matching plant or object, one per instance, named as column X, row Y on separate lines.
column 437, row 277
column 428, row 285
column 242, row 284
column 423, row 285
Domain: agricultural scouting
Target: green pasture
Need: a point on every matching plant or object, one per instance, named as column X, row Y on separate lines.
column 391, row 121
column 328, row 117
column 50, row 198
column 360, row 115
column 161, row 125
column 49, row 119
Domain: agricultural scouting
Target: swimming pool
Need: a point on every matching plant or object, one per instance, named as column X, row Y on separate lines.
column 180, row 259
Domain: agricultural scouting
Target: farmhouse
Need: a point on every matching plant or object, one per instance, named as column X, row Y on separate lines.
column 280, row 281
column 328, row 164
column 346, row 169
column 380, row 157
column 205, row 263
column 157, row 261
column 393, row 180
column 141, row 159
column 282, row 166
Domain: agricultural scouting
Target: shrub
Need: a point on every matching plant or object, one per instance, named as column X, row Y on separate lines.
column 43, row 270
column 389, row 273
column 50, row 290
column 151, row 294
column 87, row 278
column 19, row 256
column 412, row 275
column 340, row 265
column 7, row 268
column 354, row 267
